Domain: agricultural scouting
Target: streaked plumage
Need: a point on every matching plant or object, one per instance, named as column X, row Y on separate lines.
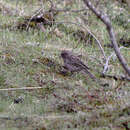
column 74, row 64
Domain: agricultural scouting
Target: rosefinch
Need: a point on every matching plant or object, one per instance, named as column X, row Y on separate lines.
column 74, row 64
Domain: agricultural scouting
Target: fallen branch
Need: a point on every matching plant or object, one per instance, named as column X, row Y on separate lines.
column 115, row 77
column 105, row 19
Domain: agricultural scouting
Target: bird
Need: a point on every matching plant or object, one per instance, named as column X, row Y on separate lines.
column 73, row 63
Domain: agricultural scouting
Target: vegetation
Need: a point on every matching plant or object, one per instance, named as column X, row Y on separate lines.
column 34, row 94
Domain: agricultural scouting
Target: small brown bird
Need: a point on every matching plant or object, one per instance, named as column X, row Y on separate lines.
column 74, row 64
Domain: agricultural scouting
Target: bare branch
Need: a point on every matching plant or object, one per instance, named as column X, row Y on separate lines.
column 108, row 59
column 105, row 19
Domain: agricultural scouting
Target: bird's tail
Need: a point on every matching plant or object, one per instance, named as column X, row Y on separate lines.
column 90, row 75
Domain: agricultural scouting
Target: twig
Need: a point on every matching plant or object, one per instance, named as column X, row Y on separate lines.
column 99, row 44
column 107, row 61
column 106, row 64
column 41, row 27
column 33, row 17
column 23, row 88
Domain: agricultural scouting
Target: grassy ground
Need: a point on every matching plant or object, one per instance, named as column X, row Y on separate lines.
column 32, row 59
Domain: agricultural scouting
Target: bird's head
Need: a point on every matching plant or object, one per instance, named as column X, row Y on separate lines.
column 64, row 53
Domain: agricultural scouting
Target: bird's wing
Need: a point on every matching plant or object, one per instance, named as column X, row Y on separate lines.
column 77, row 62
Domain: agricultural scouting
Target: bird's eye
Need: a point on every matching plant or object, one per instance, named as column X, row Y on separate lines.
column 62, row 54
